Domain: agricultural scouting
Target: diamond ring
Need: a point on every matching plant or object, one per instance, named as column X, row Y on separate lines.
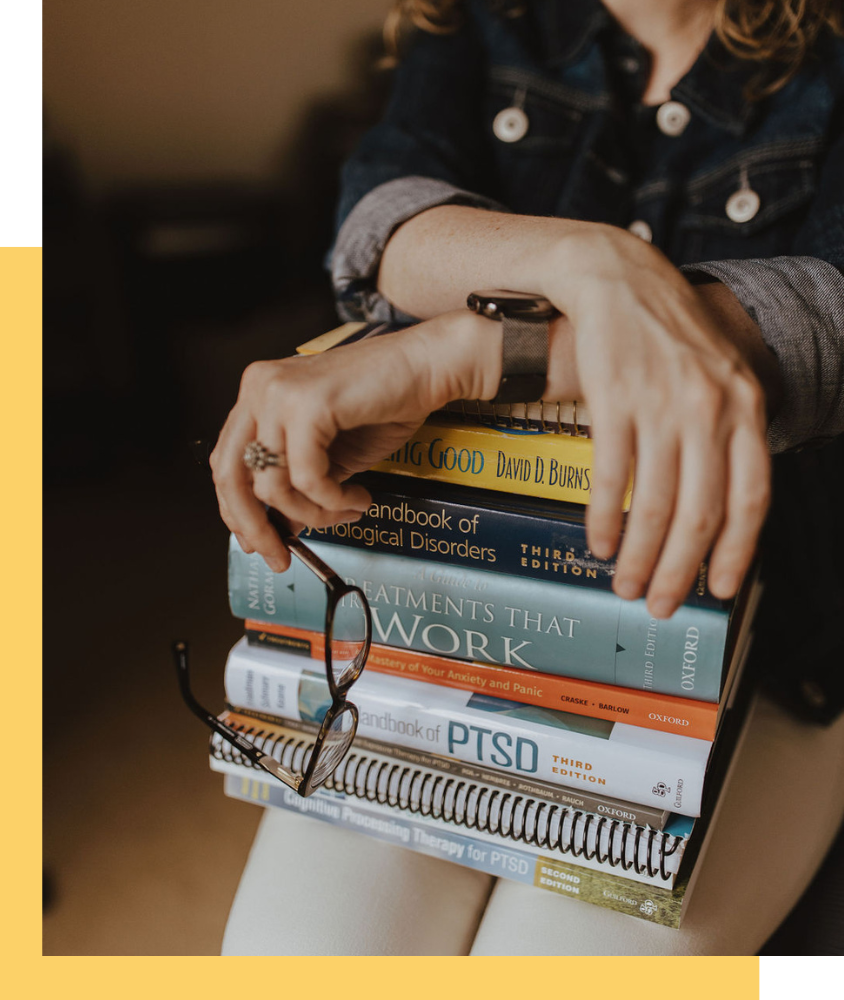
column 257, row 457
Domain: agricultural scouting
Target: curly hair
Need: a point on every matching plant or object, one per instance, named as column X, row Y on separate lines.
column 777, row 34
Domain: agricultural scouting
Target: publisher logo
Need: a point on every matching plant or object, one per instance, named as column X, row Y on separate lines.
column 661, row 789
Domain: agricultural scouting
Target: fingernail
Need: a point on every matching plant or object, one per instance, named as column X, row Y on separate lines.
column 662, row 608
column 602, row 548
column 725, row 585
column 628, row 589
column 276, row 565
column 247, row 548
column 351, row 515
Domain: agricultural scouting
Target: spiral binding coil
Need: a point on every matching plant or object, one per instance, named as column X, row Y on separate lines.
column 548, row 825
column 526, row 416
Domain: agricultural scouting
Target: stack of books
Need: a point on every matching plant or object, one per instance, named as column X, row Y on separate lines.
column 515, row 715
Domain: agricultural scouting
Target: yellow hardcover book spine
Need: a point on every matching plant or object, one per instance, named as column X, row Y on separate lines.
column 528, row 463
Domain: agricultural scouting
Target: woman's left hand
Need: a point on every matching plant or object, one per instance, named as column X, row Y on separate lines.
column 333, row 414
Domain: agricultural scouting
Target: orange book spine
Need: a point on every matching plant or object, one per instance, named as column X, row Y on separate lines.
column 665, row 713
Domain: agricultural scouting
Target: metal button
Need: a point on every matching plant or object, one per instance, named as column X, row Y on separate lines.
column 510, row 125
column 641, row 229
column 672, row 118
column 743, row 205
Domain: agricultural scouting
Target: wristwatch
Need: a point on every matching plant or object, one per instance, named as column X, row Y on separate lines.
column 525, row 318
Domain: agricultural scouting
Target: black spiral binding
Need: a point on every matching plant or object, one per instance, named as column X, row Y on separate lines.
column 517, row 415
column 548, row 825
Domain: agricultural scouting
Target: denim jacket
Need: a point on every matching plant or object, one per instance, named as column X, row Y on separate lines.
column 751, row 194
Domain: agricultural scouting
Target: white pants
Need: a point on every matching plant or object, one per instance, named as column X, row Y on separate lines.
column 310, row 888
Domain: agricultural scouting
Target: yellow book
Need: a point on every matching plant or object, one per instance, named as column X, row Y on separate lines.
column 531, row 463
column 333, row 338
column 534, row 449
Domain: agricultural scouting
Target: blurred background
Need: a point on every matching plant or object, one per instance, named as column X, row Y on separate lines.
column 191, row 154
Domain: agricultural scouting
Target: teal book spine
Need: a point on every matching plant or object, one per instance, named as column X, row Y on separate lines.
column 511, row 620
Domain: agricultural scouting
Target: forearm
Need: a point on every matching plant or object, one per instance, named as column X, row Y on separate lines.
column 460, row 352
column 744, row 333
column 435, row 259
column 457, row 355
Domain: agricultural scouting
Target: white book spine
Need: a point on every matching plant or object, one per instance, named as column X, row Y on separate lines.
column 642, row 766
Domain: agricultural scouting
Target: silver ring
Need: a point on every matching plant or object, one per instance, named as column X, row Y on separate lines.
column 257, row 457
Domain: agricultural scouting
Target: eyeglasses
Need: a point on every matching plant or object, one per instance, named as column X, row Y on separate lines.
column 348, row 634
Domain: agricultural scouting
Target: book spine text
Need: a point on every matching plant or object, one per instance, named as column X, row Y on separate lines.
column 663, row 770
column 512, row 621
column 655, row 903
column 527, row 463
column 599, row 701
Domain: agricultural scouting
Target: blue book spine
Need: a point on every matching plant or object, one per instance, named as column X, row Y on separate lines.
column 511, row 620
column 479, row 529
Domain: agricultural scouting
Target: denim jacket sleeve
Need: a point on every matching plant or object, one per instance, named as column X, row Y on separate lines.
column 798, row 303
column 426, row 151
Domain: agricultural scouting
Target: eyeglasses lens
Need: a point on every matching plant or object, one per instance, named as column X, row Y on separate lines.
column 337, row 741
column 349, row 634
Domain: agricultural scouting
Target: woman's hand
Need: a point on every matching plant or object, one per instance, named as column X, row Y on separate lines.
column 669, row 388
column 334, row 414
column 667, row 371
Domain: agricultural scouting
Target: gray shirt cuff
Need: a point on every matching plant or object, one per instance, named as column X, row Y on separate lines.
column 798, row 304
column 366, row 231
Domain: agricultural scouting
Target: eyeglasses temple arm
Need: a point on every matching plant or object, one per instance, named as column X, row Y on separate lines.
column 312, row 560
column 301, row 551
column 251, row 752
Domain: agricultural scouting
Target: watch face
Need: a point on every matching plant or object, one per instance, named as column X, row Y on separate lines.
column 496, row 304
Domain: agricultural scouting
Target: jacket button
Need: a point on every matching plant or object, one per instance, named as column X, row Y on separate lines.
column 672, row 118
column 641, row 229
column 510, row 125
column 742, row 205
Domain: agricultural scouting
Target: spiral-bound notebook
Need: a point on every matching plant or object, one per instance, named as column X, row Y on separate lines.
column 583, row 800
column 613, row 863
column 539, row 841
